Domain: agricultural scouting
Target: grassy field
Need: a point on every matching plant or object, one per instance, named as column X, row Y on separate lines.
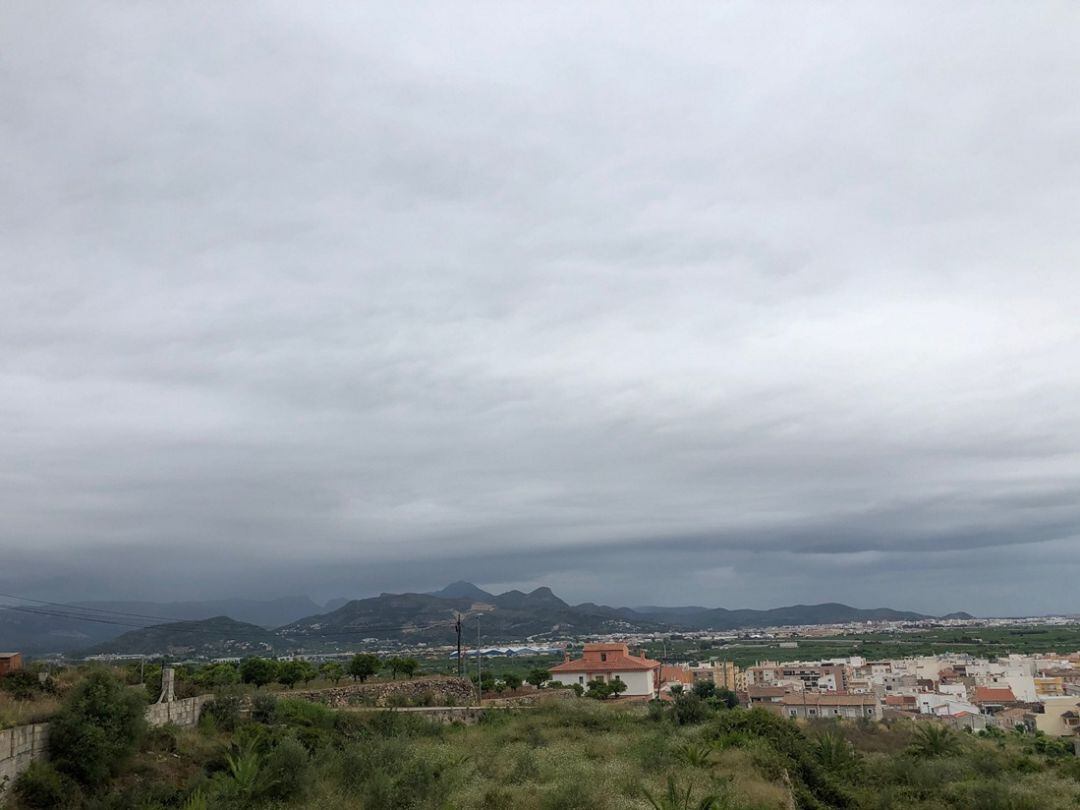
column 578, row 754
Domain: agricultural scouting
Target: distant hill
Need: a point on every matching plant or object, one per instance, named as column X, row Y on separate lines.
column 516, row 615
column 405, row 617
column 217, row 636
column 430, row 617
column 78, row 625
column 463, row 590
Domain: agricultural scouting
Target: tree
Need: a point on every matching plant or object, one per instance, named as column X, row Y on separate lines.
column 933, row 740
column 259, row 671
column 538, row 677
column 307, row 672
column 363, row 666
column 97, row 729
column 487, row 681
column 512, row 680
column 601, row 690
column 409, row 666
column 291, row 672
column 597, row 690
column 332, row 671
column 217, row 675
column 395, row 666
column 704, row 689
column 727, row 697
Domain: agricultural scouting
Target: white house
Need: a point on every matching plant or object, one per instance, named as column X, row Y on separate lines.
column 610, row 662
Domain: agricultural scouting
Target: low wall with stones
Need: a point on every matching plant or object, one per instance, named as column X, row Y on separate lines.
column 430, row 691
column 22, row 745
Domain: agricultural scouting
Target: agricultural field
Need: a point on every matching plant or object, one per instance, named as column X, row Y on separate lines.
column 987, row 642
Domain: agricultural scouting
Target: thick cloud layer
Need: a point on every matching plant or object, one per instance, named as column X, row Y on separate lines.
column 740, row 305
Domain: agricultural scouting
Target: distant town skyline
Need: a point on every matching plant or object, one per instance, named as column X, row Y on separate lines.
column 735, row 306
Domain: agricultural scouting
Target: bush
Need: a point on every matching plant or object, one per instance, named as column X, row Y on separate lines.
column 689, row 709
column 304, row 713
column 224, row 710
column 286, row 772
column 22, row 684
column 97, row 729
column 42, row 786
column 264, row 708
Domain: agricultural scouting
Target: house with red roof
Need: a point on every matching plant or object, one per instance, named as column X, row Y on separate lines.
column 610, row 662
column 992, row 699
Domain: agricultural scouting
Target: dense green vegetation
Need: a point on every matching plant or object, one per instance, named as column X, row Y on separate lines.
column 694, row 752
column 987, row 642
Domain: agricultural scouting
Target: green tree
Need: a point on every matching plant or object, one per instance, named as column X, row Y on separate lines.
column 259, row 671
column 512, row 680
column 363, row 666
column 394, row 665
column 332, row 671
column 409, row 666
column 932, row 741
column 291, row 673
column 704, row 689
column 538, row 677
column 218, row 675
column 307, row 672
column 97, row 729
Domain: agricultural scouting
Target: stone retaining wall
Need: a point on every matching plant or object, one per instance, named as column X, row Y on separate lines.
column 439, row 691
column 22, row 745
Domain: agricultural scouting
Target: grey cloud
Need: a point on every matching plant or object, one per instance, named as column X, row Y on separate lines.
column 349, row 300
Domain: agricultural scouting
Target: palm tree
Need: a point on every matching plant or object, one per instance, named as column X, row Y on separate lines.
column 835, row 753
column 676, row 799
column 933, row 741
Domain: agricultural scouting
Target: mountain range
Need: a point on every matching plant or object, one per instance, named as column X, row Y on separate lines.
column 240, row 627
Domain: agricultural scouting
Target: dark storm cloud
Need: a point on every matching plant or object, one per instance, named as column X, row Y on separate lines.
column 645, row 304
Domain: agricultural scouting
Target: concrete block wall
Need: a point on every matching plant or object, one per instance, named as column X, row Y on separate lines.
column 22, row 745
column 19, row 747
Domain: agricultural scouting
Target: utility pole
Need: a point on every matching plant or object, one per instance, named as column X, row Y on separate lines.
column 479, row 666
column 460, row 660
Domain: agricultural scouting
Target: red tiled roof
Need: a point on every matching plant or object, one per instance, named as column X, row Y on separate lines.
column 991, row 694
column 615, row 663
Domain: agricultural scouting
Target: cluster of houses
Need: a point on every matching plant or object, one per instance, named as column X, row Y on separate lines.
column 1039, row 692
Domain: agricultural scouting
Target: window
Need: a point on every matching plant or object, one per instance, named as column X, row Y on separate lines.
column 603, row 656
column 792, row 713
column 581, row 679
column 614, row 677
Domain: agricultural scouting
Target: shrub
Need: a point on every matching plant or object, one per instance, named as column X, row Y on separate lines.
column 224, row 710
column 22, row 684
column 42, row 786
column 264, row 708
column 304, row 713
column 97, row 729
column 286, row 772
column 689, row 709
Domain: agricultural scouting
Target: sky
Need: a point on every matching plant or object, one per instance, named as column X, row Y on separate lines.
column 735, row 304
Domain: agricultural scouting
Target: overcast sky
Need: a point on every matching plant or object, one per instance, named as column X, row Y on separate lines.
column 729, row 304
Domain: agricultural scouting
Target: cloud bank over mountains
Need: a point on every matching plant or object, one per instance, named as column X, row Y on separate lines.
column 651, row 305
